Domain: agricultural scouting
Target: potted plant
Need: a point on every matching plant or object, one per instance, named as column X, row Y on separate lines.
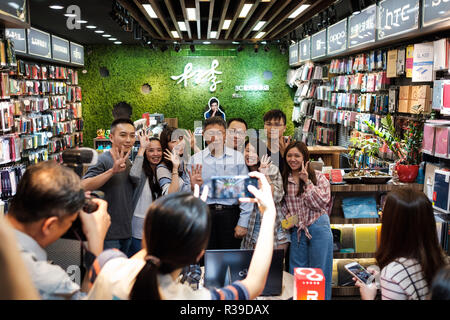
column 406, row 150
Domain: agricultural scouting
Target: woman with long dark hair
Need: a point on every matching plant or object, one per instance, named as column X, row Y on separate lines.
column 255, row 161
column 306, row 200
column 409, row 254
column 143, row 175
column 172, row 172
column 177, row 230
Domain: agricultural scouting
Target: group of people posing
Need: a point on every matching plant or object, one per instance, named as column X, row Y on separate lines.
column 159, row 216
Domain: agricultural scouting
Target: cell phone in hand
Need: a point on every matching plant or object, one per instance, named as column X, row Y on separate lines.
column 360, row 272
column 232, row 187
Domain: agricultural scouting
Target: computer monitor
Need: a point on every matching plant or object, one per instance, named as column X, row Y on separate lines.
column 222, row 267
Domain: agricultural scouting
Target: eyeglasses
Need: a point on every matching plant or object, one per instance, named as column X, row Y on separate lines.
column 236, row 132
column 275, row 124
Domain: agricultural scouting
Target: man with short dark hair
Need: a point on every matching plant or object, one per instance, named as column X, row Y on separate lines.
column 229, row 218
column 236, row 133
column 274, row 127
column 48, row 200
column 111, row 175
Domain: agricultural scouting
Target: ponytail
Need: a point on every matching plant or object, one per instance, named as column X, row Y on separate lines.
column 146, row 284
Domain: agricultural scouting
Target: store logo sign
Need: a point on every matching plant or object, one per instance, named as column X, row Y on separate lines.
column 200, row 76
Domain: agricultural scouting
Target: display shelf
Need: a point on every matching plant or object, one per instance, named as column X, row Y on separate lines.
column 338, row 188
column 352, row 255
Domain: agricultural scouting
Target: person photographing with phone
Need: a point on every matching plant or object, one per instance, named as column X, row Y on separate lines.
column 49, row 199
column 409, row 258
column 305, row 208
column 177, row 229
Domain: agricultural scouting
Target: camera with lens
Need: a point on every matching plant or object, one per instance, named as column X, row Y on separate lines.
column 76, row 159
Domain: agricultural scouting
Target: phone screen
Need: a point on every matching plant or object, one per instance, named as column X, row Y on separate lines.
column 359, row 271
column 232, row 187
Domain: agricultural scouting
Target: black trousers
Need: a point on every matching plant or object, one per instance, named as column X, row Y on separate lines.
column 224, row 220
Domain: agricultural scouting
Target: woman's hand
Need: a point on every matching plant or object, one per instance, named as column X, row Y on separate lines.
column 303, row 175
column 368, row 292
column 263, row 195
column 174, row 158
column 144, row 141
column 265, row 163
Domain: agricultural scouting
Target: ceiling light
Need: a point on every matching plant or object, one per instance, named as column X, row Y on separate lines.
column 150, row 11
column 245, row 9
column 70, row 15
column 99, row 31
column 191, row 14
column 182, row 25
column 298, row 11
column 117, row 42
column 226, row 24
column 259, row 25
column 213, row 34
column 106, row 35
column 80, row 21
column 174, row 34
column 206, row 42
column 235, row 42
column 260, row 35
column 112, row 39
column 91, row 27
column 56, row 7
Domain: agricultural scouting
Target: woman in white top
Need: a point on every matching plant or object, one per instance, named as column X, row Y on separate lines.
column 409, row 254
column 176, row 233
column 143, row 175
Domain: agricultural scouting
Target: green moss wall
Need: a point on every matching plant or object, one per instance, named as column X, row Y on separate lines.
column 132, row 66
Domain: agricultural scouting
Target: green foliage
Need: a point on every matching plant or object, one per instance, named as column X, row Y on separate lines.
column 132, row 66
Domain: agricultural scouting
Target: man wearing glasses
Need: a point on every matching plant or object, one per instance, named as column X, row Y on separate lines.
column 236, row 133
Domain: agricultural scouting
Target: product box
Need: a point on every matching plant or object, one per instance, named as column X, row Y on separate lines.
column 441, row 142
column 405, row 93
column 403, row 106
column 309, row 284
column 409, row 60
column 425, row 106
column 441, row 188
column 428, row 138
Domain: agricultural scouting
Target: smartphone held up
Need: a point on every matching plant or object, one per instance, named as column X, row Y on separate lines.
column 232, row 187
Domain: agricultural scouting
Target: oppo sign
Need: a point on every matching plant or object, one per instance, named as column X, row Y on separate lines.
column 337, row 37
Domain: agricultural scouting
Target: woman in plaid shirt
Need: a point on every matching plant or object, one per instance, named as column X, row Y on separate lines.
column 264, row 165
column 306, row 202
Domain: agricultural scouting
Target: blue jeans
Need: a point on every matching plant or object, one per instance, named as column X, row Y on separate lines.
column 121, row 244
column 314, row 253
column 135, row 246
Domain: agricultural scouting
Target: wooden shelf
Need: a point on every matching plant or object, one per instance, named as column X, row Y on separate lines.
column 345, row 291
column 352, row 255
column 336, row 188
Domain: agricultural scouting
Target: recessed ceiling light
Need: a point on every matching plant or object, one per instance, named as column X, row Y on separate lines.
column 112, row 39
column 260, row 35
column 150, row 11
column 213, row 34
column 117, row 42
column 56, row 7
column 235, row 42
column 206, row 42
column 245, row 9
column 182, row 25
column 99, row 31
column 298, row 11
column 70, row 15
column 226, row 24
column 259, row 25
column 91, row 27
column 191, row 14
column 80, row 21
column 174, row 34
column 106, row 35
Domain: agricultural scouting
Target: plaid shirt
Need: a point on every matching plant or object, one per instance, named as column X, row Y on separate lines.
column 278, row 193
column 310, row 205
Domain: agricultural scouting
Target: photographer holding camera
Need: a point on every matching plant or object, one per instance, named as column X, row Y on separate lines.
column 49, row 199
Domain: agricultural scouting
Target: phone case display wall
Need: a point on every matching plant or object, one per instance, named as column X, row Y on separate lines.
column 40, row 115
